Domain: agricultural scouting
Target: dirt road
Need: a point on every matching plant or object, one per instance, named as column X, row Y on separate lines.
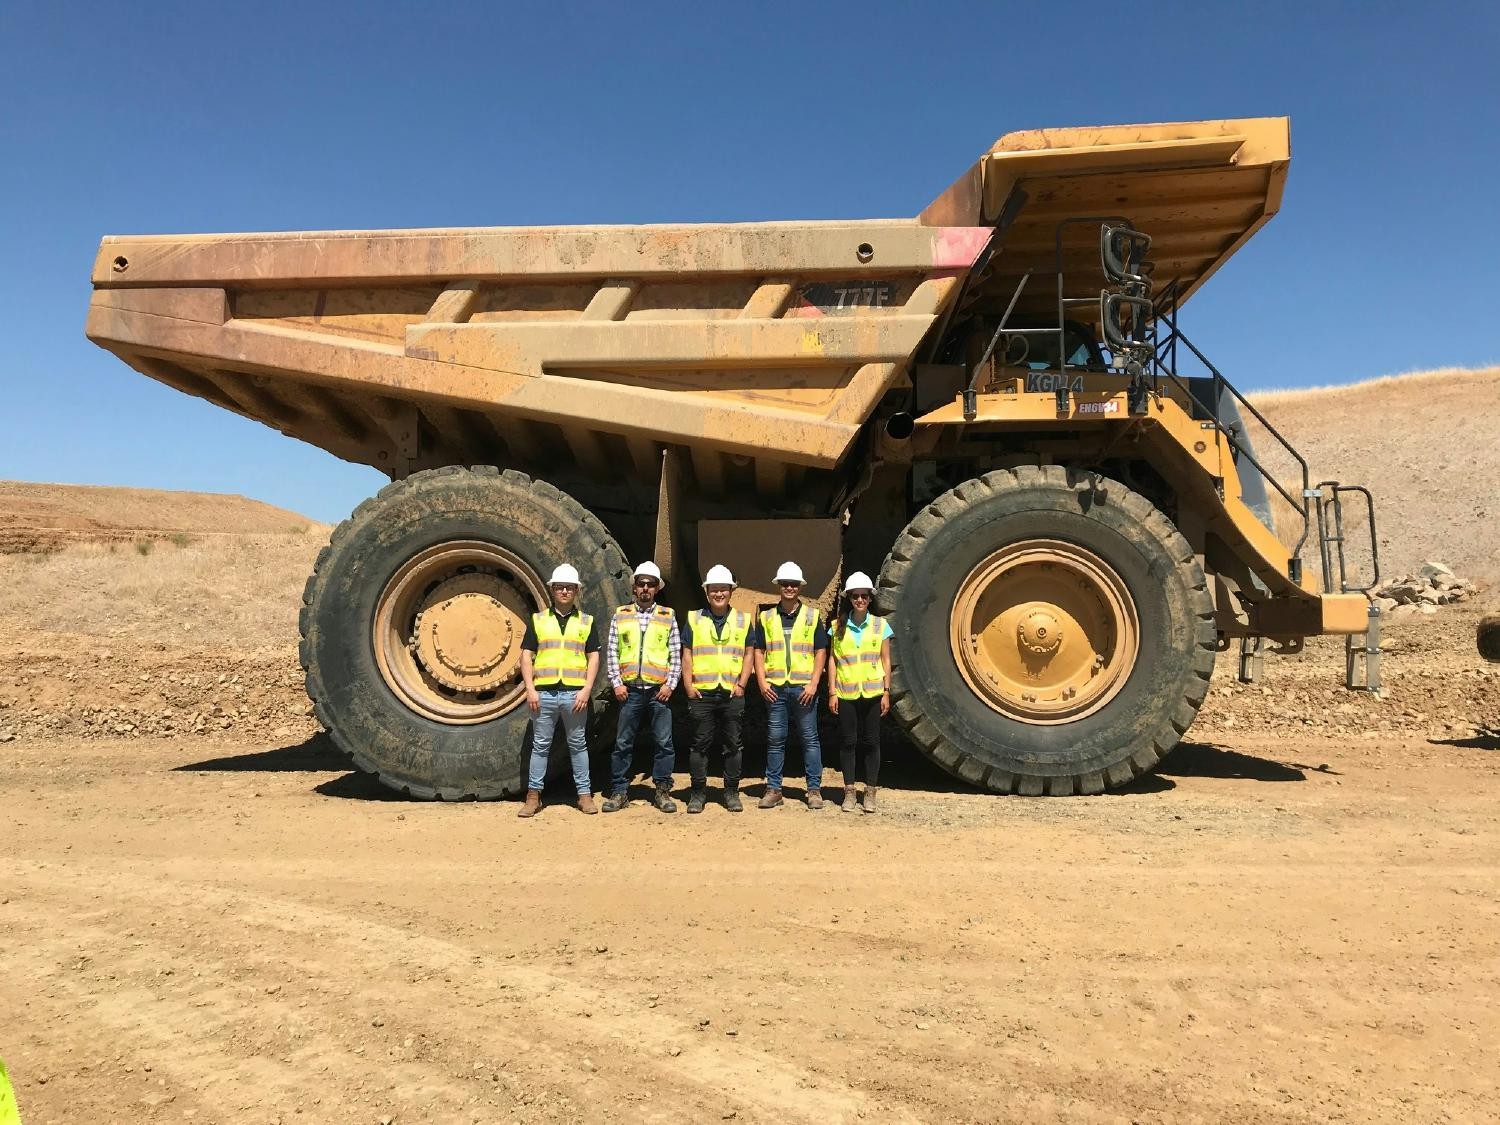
column 1273, row 930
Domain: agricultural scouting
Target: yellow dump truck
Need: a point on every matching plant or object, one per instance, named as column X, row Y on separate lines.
column 982, row 403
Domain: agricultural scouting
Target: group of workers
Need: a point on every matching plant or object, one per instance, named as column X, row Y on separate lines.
column 788, row 648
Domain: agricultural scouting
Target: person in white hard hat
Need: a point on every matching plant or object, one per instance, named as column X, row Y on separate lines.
column 859, row 686
column 644, row 651
column 716, row 665
column 791, row 646
column 559, row 660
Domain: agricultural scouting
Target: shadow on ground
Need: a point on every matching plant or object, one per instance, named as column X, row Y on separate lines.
column 903, row 768
column 1202, row 759
column 1483, row 740
column 317, row 754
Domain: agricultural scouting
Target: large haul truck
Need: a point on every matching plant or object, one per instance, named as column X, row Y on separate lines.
column 981, row 403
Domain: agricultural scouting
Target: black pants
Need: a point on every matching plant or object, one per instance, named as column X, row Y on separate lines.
column 711, row 713
column 859, row 730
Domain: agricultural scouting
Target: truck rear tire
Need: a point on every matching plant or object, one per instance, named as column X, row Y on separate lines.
column 413, row 617
column 1054, row 633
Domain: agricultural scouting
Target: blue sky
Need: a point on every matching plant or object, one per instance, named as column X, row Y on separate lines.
column 176, row 117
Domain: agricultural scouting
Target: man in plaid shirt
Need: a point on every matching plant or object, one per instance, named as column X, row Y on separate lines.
column 644, row 660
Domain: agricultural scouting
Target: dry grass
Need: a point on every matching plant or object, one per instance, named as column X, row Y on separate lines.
column 1424, row 443
column 238, row 592
column 1406, row 379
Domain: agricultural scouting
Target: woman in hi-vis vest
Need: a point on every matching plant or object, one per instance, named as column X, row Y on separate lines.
column 859, row 686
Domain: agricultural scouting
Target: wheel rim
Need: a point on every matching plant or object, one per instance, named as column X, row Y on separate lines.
column 448, row 630
column 1044, row 631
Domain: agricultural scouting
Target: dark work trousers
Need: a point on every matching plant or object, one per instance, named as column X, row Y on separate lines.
column 859, row 729
column 711, row 713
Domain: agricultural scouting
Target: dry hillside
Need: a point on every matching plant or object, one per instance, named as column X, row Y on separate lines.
column 1425, row 444
column 40, row 517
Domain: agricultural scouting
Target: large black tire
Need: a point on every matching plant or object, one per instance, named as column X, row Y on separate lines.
column 1488, row 637
column 1127, row 735
column 410, row 752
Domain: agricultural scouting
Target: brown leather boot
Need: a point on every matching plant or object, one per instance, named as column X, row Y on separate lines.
column 771, row 799
column 851, row 800
column 815, row 798
column 533, row 804
column 586, row 804
column 869, row 798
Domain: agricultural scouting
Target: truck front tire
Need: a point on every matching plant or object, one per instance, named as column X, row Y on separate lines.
column 1054, row 633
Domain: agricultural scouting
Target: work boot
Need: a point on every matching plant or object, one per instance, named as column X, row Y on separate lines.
column 815, row 798
column 586, row 804
column 533, row 804
column 697, row 799
column 617, row 801
column 771, row 799
column 732, row 797
column 663, row 799
column 851, row 800
column 869, row 798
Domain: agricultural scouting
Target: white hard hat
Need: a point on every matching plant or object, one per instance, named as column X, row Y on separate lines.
column 649, row 570
column 859, row 580
column 564, row 574
column 789, row 572
column 718, row 575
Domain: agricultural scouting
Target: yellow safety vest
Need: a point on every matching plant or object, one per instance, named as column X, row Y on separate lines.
column 718, row 661
column 559, row 651
column 651, row 662
column 789, row 661
column 9, row 1114
column 858, row 670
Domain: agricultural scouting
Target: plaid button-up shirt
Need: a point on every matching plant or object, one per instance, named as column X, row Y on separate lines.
column 643, row 618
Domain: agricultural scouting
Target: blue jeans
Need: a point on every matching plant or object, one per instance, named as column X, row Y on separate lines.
column 777, row 710
column 557, row 703
column 637, row 703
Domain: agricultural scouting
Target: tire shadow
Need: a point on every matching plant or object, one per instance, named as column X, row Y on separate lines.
column 1201, row 759
column 317, row 754
column 1484, row 740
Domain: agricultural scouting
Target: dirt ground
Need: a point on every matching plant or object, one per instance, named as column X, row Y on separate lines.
column 205, row 916
column 1299, row 921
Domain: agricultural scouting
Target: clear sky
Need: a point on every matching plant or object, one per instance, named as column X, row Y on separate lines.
column 187, row 117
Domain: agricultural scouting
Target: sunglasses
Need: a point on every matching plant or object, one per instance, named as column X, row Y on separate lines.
column 860, row 596
column 646, row 583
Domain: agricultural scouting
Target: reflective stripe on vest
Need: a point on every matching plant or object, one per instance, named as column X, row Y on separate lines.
column 858, row 669
column 718, row 660
column 559, row 652
column 648, row 663
column 789, row 660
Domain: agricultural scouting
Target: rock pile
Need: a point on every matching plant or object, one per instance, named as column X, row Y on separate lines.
column 1433, row 585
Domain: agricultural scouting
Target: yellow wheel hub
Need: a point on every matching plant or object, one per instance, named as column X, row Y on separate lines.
column 448, row 629
column 468, row 633
column 1044, row 631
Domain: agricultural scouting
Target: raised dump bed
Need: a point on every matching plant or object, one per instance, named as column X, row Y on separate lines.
column 825, row 390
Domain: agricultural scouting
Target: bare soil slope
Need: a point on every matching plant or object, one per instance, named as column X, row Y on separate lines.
column 1425, row 443
column 36, row 517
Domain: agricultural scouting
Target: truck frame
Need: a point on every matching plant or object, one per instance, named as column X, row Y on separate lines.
column 981, row 403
